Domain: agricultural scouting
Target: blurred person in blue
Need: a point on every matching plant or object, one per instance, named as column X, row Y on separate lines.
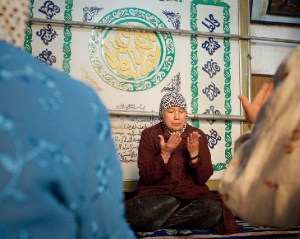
column 60, row 176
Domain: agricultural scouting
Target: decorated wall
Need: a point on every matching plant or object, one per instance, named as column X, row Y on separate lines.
column 132, row 69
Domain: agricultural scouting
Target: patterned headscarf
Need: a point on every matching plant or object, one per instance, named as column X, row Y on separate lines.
column 13, row 21
column 169, row 100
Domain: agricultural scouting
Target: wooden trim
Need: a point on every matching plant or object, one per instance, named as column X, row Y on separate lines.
column 257, row 81
column 244, row 29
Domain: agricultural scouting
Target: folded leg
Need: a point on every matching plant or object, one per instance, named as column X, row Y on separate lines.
column 198, row 213
column 150, row 212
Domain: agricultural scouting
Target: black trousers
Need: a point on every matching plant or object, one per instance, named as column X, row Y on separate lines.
column 154, row 212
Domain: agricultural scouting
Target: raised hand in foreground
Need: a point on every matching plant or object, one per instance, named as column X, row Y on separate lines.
column 252, row 109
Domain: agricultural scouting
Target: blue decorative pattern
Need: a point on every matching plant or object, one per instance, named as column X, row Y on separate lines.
column 213, row 23
column 174, row 85
column 102, row 173
column 174, row 18
column 213, row 138
column 52, row 102
column 211, row 46
column 47, row 57
column 47, row 34
column 211, row 68
column 49, row 9
column 212, row 111
column 90, row 12
column 211, row 91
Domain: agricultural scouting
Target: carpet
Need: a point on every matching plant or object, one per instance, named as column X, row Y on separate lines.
column 248, row 231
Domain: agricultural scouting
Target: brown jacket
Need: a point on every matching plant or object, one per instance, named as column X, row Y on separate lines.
column 179, row 177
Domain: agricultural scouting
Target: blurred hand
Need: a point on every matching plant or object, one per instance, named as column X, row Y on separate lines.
column 252, row 109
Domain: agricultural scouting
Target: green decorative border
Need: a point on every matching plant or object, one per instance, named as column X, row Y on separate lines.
column 166, row 63
column 67, row 35
column 227, row 74
column 28, row 32
column 194, row 62
column 66, row 67
column 216, row 3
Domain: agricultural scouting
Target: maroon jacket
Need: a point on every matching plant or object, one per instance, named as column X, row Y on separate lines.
column 179, row 177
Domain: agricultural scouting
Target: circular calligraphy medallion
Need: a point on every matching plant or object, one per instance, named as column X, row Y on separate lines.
column 131, row 60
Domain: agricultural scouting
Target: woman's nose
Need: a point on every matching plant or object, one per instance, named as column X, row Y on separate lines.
column 176, row 115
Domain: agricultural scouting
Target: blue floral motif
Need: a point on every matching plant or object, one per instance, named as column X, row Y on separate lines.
column 42, row 151
column 211, row 68
column 213, row 138
column 212, row 23
column 94, row 107
column 52, row 102
column 211, row 46
column 95, row 229
column 174, row 18
column 47, row 57
column 89, row 13
column 6, row 123
column 103, row 130
column 49, row 9
column 174, row 85
column 47, row 34
column 212, row 110
column 211, row 91
column 27, row 75
column 102, row 174
column 23, row 235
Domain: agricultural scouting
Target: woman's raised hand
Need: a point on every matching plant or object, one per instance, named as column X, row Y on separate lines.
column 193, row 143
column 252, row 109
column 168, row 147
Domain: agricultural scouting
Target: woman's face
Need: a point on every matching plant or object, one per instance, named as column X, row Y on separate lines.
column 175, row 118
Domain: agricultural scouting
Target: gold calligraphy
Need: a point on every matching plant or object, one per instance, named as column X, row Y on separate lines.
column 132, row 54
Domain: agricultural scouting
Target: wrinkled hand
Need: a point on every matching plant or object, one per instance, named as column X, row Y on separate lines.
column 168, row 147
column 193, row 143
column 252, row 109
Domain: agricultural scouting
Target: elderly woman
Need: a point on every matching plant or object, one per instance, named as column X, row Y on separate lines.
column 174, row 165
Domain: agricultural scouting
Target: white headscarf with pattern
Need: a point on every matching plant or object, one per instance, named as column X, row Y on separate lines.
column 169, row 100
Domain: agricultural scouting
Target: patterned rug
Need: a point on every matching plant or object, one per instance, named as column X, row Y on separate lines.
column 249, row 231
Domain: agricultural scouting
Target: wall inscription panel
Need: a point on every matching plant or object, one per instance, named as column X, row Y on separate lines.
column 132, row 69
